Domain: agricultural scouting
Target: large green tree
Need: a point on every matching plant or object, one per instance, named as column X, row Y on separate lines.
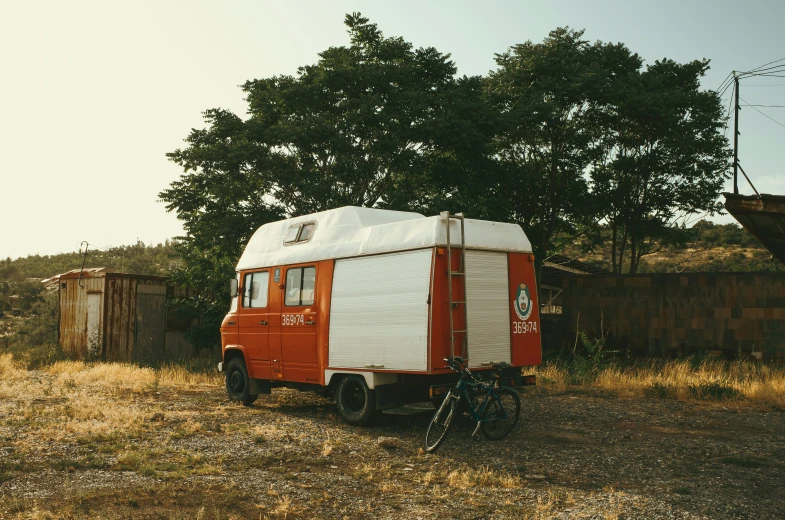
column 664, row 159
column 564, row 137
column 366, row 126
column 549, row 97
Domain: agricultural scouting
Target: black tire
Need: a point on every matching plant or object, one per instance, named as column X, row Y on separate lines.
column 502, row 415
column 440, row 423
column 356, row 402
column 238, row 383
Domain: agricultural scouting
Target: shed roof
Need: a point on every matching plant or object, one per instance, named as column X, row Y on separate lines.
column 351, row 231
column 87, row 272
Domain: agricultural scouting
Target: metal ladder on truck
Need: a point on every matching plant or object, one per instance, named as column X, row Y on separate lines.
column 461, row 273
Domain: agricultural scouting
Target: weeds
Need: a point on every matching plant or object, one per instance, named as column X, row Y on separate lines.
column 589, row 355
column 713, row 390
column 701, row 379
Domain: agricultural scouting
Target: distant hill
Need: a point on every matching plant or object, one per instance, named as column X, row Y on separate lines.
column 135, row 259
column 710, row 248
column 20, row 279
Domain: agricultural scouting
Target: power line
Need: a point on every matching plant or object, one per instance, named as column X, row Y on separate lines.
column 769, row 63
column 723, row 81
column 767, row 75
column 769, row 85
column 765, row 106
column 761, row 113
column 760, row 70
column 726, row 88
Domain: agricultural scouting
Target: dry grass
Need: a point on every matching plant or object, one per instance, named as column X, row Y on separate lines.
column 74, row 399
column 681, row 379
column 482, row 477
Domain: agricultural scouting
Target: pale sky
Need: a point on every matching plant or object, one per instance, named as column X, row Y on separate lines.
column 93, row 94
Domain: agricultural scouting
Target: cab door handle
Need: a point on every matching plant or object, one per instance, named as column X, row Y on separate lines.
column 310, row 322
column 262, row 322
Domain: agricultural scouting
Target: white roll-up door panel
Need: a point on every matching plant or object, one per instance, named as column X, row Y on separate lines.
column 488, row 307
column 379, row 311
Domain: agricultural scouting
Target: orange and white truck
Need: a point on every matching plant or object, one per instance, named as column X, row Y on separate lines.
column 365, row 304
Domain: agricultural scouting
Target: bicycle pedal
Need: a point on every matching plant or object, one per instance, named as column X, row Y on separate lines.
column 474, row 433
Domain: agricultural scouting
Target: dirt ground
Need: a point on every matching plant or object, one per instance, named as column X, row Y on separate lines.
column 185, row 452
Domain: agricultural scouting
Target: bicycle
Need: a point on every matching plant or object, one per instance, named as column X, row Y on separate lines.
column 496, row 415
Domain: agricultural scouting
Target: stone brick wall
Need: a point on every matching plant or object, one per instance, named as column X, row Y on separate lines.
column 678, row 314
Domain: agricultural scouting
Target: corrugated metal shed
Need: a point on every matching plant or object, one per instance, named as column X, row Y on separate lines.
column 117, row 316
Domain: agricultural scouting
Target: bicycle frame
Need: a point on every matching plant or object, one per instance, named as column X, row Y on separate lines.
column 476, row 413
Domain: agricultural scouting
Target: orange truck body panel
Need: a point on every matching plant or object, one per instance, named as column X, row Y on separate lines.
column 290, row 343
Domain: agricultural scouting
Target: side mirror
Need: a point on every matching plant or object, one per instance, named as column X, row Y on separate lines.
column 233, row 288
column 255, row 290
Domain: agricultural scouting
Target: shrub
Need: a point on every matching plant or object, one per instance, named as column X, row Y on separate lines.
column 713, row 391
column 34, row 343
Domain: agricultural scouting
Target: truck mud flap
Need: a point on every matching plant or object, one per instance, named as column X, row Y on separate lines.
column 388, row 396
column 259, row 386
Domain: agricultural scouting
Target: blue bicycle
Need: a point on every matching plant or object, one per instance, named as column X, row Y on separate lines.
column 496, row 412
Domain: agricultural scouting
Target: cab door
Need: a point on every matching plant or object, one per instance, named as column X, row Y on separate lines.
column 276, row 301
column 298, row 324
column 254, row 322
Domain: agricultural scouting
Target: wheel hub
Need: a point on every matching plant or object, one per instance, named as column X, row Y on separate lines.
column 236, row 382
column 355, row 400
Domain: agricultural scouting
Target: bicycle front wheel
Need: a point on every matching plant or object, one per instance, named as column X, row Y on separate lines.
column 501, row 414
column 440, row 423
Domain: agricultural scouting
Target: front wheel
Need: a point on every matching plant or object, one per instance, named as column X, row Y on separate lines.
column 238, row 384
column 440, row 423
column 501, row 414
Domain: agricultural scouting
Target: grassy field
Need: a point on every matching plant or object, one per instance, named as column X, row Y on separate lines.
column 110, row 440
column 712, row 380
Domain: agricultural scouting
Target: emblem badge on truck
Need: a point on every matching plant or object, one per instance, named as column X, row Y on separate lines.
column 523, row 302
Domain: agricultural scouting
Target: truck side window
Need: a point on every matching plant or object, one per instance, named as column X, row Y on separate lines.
column 300, row 285
column 255, row 290
column 309, row 284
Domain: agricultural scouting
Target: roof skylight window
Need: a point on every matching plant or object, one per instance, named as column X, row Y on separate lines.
column 299, row 233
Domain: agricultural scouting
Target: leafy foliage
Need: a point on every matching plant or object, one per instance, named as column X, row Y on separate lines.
column 362, row 127
column 34, row 341
column 550, row 96
column 565, row 137
column 664, row 159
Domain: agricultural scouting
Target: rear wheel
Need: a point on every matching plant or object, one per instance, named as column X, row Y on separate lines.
column 440, row 423
column 237, row 382
column 501, row 414
column 356, row 402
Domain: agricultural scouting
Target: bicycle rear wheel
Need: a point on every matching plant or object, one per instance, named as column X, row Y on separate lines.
column 500, row 416
column 440, row 423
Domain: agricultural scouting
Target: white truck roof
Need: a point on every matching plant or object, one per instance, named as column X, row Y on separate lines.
column 352, row 231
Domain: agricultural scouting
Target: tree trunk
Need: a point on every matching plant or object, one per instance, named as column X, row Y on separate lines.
column 621, row 250
column 613, row 248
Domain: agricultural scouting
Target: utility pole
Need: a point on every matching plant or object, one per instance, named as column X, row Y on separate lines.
column 736, row 138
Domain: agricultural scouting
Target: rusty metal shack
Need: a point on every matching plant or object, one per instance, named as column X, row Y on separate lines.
column 118, row 316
